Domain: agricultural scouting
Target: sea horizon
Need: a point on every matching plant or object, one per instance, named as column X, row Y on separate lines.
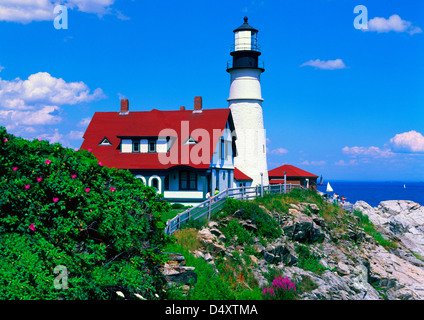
column 373, row 192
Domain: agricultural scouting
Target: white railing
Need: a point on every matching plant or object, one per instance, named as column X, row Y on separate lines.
column 212, row 205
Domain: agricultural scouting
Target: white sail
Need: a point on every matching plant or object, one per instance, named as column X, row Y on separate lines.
column 329, row 189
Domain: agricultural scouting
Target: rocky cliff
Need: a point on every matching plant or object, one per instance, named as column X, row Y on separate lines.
column 335, row 257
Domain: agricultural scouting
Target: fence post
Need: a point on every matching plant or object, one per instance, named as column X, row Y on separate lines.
column 209, row 210
column 179, row 225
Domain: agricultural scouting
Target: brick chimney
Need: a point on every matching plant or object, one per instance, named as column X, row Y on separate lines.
column 182, row 108
column 125, row 106
column 198, row 104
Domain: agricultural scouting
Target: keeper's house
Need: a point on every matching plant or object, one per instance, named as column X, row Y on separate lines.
column 183, row 154
column 293, row 175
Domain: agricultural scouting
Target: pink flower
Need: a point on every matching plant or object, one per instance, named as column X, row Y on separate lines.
column 112, row 189
column 39, row 139
column 55, row 200
column 48, row 161
column 87, row 190
column 73, row 176
column 100, row 164
column 5, row 140
column 32, row 227
column 39, row 179
column 15, row 168
column 76, row 149
column 89, row 150
column 27, row 186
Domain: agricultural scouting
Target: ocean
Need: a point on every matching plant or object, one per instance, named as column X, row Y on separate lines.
column 374, row 192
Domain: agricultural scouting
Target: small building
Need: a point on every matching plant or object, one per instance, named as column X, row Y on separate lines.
column 183, row 153
column 293, row 175
column 241, row 179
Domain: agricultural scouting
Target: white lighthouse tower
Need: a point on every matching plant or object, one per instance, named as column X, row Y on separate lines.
column 245, row 102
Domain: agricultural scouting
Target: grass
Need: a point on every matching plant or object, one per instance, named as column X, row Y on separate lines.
column 369, row 229
column 308, row 261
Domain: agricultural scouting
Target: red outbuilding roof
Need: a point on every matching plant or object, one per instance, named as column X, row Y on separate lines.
column 181, row 124
column 238, row 175
column 291, row 171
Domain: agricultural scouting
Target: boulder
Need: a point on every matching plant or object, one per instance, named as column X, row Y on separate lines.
column 303, row 229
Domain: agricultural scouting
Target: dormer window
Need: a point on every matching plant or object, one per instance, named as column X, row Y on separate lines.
column 105, row 142
column 145, row 145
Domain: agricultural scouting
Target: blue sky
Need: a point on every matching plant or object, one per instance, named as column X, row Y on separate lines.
column 339, row 102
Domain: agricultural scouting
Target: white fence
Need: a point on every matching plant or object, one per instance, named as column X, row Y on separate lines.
column 212, row 205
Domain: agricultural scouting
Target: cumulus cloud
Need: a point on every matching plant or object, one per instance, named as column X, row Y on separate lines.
column 407, row 142
column 39, row 100
column 374, row 152
column 393, row 23
column 277, row 151
column 325, row 65
column 25, row 11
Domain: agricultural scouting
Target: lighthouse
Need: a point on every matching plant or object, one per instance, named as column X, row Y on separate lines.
column 245, row 101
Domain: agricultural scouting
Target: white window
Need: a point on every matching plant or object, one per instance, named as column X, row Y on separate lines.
column 126, row 146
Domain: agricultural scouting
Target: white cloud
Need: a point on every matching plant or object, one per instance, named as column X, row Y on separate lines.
column 52, row 137
column 353, row 162
column 374, row 152
column 84, row 122
column 75, row 135
column 1, row 68
column 393, row 23
column 277, row 151
column 38, row 100
column 26, row 11
column 325, row 65
column 313, row 163
column 408, row 142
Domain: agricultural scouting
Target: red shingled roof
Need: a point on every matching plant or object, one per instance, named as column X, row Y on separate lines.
column 291, row 171
column 149, row 123
column 238, row 175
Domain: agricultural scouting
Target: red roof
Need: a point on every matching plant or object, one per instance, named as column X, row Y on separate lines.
column 113, row 126
column 276, row 181
column 291, row 171
column 238, row 175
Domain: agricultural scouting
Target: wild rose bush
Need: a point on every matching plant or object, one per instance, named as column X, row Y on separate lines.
column 280, row 289
column 59, row 206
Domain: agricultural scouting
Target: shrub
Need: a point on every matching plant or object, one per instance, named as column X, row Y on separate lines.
column 59, row 206
column 266, row 225
column 235, row 229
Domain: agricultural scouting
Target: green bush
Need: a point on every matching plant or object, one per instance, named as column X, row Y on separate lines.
column 59, row 206
column 266, row 225
column 235, row 229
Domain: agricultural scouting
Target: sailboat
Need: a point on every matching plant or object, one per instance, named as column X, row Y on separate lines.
column 321, row 181
column 404, row 186
column 329, row 189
